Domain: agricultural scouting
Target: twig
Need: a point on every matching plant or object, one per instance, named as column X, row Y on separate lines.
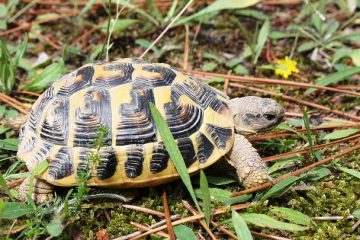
column 167, row 217
column 181, row 221
column 297, row 172
column 356, row 225
column 303, row 102
column 145, row 228
column 196, row 217
column 166, row 29
column 223, row 230
column 14, row 183
column 202, row 222
column 226, row 83
column 293, row 153
column 48, row 40
column 137, row 233
column 255, row 80
column 145, row 210
column 28, row 93
column 348, row 87
column 235, row 207
column 262, row 235
column 13, row 102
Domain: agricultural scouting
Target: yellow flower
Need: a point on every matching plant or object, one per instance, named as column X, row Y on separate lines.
column 285, row 67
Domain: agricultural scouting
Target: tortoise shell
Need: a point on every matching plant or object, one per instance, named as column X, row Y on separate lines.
column 63, row 123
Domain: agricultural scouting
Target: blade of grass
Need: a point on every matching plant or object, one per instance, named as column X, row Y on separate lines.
column 241, row 228
column 308, row 133
column 335, row 78
column 174, row 152
column 42, row 166
column 204, row 186
column 5, row 187
column 262, row 37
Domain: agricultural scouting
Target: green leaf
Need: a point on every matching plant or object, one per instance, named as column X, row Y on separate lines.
column 216, row 194
column 46, row 77
column 284, row 163
column 173, row 150
column 183, row 232
column 352, row 172
column 233, row 62
column 171, row 11
column 119, row 25
column 291, row 215
column 240, row 69
column 204, row 186
column 280, row 35
column 261, row 40
column 7, row 69
column 209, row 67
column 355, row 57
column 316, row 173
column 308, row 133
column 306, row 46
column 2, row 111
column 9, row 144
column 145, row 44
column 335, row 78
column 87, row 7
column 337, row 134
column 253, row 13
column 217, row 6
column 240, row 226
column 54, row 227
column 263, row 220
column 219, row 181
column 280, row 188
column 20, row 52
column 5, row 187
column 13, row 210
column 3, row 10
column 341, row 53
column 356, row 213
column 237, row 199
column 214, row 57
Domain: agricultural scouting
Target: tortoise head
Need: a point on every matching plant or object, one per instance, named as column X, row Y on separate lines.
column 252, row 114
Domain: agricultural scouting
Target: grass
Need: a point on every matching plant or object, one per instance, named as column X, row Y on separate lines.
column 324, row 52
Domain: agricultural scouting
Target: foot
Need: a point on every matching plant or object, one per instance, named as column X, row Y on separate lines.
column 249, row 166
column 42, row 191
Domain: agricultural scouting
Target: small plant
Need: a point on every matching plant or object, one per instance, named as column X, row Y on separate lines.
column 9, row 64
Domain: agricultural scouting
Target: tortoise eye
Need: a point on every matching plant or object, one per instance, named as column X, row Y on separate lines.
column 270, row 116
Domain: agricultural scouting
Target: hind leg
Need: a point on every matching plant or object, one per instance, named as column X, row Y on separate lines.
column 42, row 191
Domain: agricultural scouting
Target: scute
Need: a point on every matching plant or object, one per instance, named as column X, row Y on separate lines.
column 64, row 123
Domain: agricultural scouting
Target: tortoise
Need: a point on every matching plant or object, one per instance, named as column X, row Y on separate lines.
column 62, row 125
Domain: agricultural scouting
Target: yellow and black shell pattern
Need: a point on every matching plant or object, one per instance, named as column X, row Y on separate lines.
column 63, row 125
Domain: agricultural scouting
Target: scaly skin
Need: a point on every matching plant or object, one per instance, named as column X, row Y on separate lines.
column 42, row 190
column 249, row 166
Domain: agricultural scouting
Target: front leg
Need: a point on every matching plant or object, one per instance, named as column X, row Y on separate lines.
column 249, row 166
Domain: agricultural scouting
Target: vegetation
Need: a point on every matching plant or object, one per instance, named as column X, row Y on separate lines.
column 313, row 157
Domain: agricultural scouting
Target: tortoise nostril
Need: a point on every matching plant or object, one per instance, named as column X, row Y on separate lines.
column 270, row 116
